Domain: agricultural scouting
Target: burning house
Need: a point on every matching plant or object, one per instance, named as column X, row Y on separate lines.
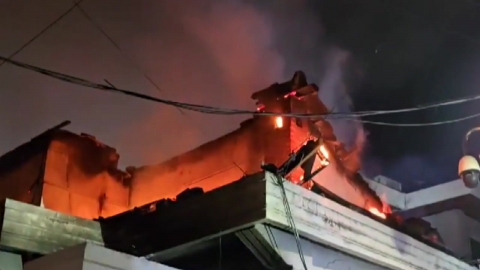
column 277, row 193
column 264, row 139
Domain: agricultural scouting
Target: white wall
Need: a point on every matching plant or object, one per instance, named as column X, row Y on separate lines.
column 10, row 261
column 456, row 230
column 438, row 193
column 454, row 226
column 317, row 256
column 92, row 257
column 391, row 196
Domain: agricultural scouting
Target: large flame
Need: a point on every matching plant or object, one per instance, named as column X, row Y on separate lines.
column 278, row 122
column 385, row 208
column 323, row 150
column 377, row 212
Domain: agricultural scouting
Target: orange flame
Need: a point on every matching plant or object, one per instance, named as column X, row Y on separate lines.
column 377, row 212
column 385, row 206
column 278, row 122
column 324, row 151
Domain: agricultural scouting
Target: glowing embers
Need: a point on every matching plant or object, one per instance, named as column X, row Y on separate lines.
column 260, row 107
column 291, row 94
column 278, row 122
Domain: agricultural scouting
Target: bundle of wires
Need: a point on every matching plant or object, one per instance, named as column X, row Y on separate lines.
column 355, row 116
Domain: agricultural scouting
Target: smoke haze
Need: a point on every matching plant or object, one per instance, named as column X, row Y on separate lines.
column 209, row 52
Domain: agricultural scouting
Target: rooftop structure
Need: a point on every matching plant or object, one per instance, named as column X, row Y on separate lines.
column 194, row 230
column 274, row 194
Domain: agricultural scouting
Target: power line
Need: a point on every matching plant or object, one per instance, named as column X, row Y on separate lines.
column 226, row 111
column 41, row 32
column 438, row 123
column 291, row 220
column 420, row 107
column 130, row 59
column 117, row 46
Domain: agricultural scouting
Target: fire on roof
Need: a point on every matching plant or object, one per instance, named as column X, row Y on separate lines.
column 79, row 175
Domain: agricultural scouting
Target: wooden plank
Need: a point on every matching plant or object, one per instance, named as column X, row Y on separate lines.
column 324, row 221
column 172, row 231
column 34, row 229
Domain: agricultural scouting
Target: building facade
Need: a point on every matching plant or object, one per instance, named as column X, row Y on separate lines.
column 451, row 208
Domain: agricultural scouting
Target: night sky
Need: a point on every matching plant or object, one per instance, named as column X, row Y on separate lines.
column 412, row 53
column 364, row 55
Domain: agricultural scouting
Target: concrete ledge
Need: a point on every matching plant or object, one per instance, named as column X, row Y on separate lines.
column 432, row 200
column 317, row 257
column 258, row 239
column 242, row 207
column 29, row 228
column 324, row 221
column 92, row 257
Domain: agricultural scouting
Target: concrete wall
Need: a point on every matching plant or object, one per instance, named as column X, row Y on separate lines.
column 10, row 261
column 317, row 257
column 20, row 169
column 419, row 198
column 456, row 230
column 79, row 176
column 80, row 179
column 91, row 257
column 391, row 196
column 209, row 166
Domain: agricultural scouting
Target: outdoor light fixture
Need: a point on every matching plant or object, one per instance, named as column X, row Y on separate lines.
column 468, row 167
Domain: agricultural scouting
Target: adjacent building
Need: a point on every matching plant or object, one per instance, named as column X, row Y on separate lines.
column 449, row 207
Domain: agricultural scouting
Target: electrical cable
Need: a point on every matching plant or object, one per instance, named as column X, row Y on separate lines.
column 110, row 39
column 291, row 220
column 438, row 123
column 226, row 111
column 30, row 41
column 421, row 107
column 132, row 62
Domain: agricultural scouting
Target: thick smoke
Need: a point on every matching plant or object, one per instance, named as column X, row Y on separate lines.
column 251, row 45
column 335, row 94
column 211, row 52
